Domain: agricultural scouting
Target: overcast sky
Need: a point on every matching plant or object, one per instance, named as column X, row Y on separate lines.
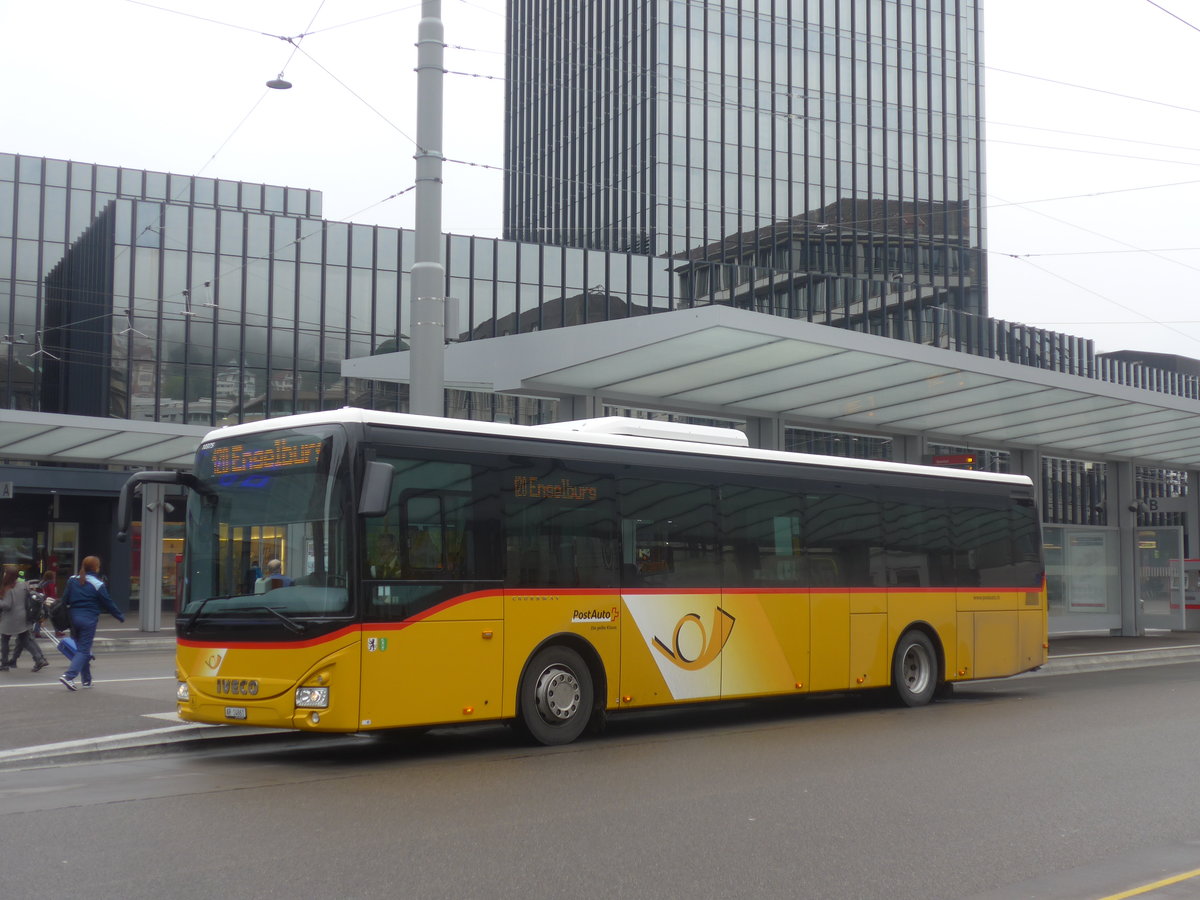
column 1093, row 126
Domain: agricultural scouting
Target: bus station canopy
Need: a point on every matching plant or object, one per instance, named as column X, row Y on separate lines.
column 724, row 362
column 88, row 440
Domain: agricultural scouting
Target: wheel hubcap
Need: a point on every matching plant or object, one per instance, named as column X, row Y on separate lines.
column 916, row 668
column 557, row 694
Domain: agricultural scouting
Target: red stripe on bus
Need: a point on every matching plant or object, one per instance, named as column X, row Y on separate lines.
column 572, row 592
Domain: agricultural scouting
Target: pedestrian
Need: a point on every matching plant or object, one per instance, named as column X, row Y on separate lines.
column 14, row 621
column 86, row 596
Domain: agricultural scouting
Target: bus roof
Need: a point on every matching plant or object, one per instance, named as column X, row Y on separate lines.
column 587, row 432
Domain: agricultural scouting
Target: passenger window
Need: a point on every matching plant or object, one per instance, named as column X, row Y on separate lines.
column 984, row 550
column 559, row 529
column 668, row 534
column 916, row 532
column 843, row 539
column 762, row 541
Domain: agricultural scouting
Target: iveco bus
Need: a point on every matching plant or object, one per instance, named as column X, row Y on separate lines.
column 438, row 571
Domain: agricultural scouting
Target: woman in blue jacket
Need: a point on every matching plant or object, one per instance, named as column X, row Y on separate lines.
column 86, row 597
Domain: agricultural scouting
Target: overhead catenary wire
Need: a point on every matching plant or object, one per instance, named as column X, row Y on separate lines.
column 847, row 224
column 1174, row 15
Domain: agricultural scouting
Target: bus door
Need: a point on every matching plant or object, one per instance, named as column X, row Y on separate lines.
column 433, row 636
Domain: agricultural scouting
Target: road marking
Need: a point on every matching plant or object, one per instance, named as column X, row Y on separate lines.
column 1147, row 888
column 99, row 681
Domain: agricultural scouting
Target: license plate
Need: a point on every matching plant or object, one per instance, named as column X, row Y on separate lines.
column 235, row 712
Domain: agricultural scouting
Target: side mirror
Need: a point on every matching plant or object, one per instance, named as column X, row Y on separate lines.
column 376, row 489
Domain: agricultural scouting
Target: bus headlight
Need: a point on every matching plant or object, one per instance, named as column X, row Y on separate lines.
column 312, row 697
column 182, row 692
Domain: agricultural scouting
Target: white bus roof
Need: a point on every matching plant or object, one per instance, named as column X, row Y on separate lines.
column 696, row 440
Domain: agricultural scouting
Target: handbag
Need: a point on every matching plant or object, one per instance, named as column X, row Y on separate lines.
column 34, row 601
column 58, row 611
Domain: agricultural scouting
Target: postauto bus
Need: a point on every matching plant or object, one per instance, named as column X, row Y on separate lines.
column 438, row 571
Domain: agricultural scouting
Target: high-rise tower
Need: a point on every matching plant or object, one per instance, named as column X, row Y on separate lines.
column 837, row 140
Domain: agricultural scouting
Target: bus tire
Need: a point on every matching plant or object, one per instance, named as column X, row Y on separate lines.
column 556, row 696
column 914, row 668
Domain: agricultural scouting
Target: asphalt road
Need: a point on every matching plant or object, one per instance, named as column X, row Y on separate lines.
column 1079, row 786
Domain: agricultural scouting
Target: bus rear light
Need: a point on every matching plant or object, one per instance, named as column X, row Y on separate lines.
column 183, row 693
column 312, row 697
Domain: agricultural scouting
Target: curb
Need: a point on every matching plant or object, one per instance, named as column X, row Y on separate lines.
column 106, row 644
column 158, row 741
column 1069, row 664
column 159, row 644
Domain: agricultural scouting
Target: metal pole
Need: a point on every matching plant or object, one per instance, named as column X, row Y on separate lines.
column 150, row 601
column 427, row 330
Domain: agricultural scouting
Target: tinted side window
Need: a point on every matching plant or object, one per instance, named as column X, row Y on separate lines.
column 997, row 544
column 762, row 537
column 843, row 537
column 916, row 532
column 559, row 526
column 668, row 534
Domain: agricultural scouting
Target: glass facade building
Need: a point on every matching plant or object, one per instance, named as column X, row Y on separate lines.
column 829, row 152
column 143, row 295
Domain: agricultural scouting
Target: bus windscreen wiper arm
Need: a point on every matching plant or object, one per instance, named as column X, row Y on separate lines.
column 290, row 623
column 187, row 629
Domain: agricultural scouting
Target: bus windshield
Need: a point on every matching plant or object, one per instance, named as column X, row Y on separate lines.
column 267, row 533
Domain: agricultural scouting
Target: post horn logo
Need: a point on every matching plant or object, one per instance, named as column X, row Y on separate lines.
column 710, row 646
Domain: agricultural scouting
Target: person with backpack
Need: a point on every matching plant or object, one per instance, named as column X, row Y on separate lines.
column 85, row 596
column 17, row 603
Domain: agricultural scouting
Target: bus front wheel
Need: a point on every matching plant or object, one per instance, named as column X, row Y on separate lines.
column 556, row 696
column 914, row 669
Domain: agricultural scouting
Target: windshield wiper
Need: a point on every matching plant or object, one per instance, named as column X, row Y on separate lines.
column 290, row 623
column 196, row 615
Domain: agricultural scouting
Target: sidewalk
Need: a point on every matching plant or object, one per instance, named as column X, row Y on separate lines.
column 128, row 635
column 107, row 738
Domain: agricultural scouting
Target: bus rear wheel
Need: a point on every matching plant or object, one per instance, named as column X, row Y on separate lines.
column 556, row 696
column 914, row 668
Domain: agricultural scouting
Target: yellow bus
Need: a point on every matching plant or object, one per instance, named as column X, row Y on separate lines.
column 439, row 571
